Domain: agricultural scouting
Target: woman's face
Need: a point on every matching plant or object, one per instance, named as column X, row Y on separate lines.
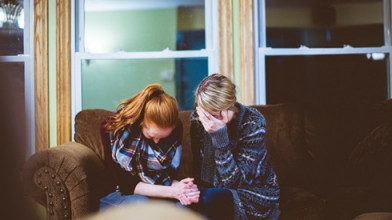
column 153, row 132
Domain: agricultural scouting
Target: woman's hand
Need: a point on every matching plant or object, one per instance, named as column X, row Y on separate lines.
column 192, row 193
column 213, row 123
column 186, row 191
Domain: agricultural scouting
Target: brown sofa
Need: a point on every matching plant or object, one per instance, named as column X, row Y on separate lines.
column 332, row 162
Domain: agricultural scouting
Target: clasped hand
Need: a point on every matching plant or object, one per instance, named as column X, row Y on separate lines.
column 186, row 191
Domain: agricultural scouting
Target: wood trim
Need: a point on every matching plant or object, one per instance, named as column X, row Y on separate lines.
column 63, row 69
column 41, row 86
column 225, row 9
column 247, row 69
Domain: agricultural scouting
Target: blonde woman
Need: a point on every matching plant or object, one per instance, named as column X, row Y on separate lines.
column 143, row 150
column 231, row 164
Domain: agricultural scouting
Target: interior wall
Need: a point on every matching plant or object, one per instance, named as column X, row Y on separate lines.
column 346, row 14
column 190, row 18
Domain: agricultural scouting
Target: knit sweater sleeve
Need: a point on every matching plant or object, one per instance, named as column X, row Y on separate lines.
column 238, row 162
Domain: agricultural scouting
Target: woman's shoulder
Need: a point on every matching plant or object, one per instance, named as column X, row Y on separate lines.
column 250, row 118
column 250, row 113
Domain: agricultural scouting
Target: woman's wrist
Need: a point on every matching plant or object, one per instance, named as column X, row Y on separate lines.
column 174, row 192
column 220, row 138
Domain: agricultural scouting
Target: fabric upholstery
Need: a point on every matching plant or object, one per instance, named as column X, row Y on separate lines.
column 370, row 163
column 185, row 169
column 285, row 142
column 87, row 124
column 66, row 180
column 331, row 133
column 375, row 216
column 346, row 202
column 299, row 203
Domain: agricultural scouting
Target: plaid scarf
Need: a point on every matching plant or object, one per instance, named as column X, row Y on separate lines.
column 154, row 163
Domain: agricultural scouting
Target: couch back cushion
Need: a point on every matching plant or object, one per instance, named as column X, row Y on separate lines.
column 285, row 142
column 185, row 169
column 332, row 130
column 87, row 129
column 370, row 161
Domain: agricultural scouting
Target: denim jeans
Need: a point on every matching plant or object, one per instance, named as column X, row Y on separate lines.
column 116, row 199
column 215, row 203
column 218, row 203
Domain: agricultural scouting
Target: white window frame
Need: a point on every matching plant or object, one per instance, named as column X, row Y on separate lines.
column 27, row 59
column 262, row 51
column 211, row 51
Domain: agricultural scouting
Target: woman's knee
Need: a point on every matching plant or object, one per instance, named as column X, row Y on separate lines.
column 134, row 198
column 217, row 196
column 214, row 200
column 116, row 198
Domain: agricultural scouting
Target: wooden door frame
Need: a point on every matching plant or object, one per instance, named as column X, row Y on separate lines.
column 63, row 70
column 41, row 86
column 247, row 64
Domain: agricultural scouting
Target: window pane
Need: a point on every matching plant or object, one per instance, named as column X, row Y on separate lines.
column 137, row 25
column 106, row 82
column 332, row 79
column 357, row 23
column 11, row 28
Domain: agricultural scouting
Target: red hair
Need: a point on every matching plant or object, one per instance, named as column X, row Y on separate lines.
column 151, row 105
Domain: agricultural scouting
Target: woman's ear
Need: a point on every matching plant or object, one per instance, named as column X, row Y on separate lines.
column 230, row 114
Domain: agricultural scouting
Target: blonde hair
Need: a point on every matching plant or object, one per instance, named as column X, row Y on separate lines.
column 151, row 105
column 215, row 93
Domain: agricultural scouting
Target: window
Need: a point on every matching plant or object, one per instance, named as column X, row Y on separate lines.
column 16, row 71
column 313, row 50
column 121, row 46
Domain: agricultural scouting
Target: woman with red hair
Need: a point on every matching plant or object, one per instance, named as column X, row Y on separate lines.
column 143, row 149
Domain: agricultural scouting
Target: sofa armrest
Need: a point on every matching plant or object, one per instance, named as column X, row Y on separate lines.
column 68, row 180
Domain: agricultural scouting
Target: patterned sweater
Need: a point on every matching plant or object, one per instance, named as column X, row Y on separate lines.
column 235, row 157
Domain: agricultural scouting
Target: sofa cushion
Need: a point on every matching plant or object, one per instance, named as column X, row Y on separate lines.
column 185, row 169
column 298, row 203
column 370, row 162
column 375, row 216
column 332, row 130
column 285, row 143
column 348, row 202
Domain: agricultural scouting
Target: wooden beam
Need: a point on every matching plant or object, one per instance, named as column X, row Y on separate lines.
column 63, row 69
column 247, row 69
column 225, row 8
column 41, row 86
